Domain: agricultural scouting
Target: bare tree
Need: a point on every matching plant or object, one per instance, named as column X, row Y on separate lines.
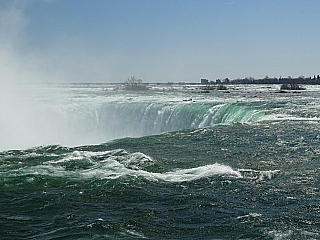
column 133, row 83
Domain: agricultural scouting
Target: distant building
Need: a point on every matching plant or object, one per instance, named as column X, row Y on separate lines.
column 218, row 81
column 204, row 81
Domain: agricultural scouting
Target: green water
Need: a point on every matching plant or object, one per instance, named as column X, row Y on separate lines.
column 236, row 181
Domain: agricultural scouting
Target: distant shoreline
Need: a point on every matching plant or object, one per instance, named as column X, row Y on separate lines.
column 315, row 80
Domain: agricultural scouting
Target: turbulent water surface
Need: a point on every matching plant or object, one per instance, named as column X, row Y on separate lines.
column 85, row 162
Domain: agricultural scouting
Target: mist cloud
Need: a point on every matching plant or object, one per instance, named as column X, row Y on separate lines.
column 20, row 119
column 12, row 25
column 66, row 59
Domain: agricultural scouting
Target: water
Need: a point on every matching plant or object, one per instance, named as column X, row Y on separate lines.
column 170, row 163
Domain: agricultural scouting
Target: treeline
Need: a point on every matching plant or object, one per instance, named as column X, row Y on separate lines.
column 288, row 80
column 266, row 80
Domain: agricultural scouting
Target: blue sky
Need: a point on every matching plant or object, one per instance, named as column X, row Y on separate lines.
column 158, row 41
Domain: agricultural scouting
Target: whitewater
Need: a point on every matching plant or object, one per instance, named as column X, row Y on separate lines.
column 93, row 161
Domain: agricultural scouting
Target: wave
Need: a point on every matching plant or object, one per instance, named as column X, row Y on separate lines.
column 104, row 165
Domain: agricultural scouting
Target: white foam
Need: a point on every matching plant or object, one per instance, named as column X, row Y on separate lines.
column 254, row 215
column 197, row 173
column 114, row 169
column 78, row 155
column 136, row 160
column 208, row 117
column 258, row 174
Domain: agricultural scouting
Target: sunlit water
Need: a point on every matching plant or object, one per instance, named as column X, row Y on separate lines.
column 83, row 161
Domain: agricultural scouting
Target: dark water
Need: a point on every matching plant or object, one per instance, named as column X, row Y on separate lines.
column 255, row 180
